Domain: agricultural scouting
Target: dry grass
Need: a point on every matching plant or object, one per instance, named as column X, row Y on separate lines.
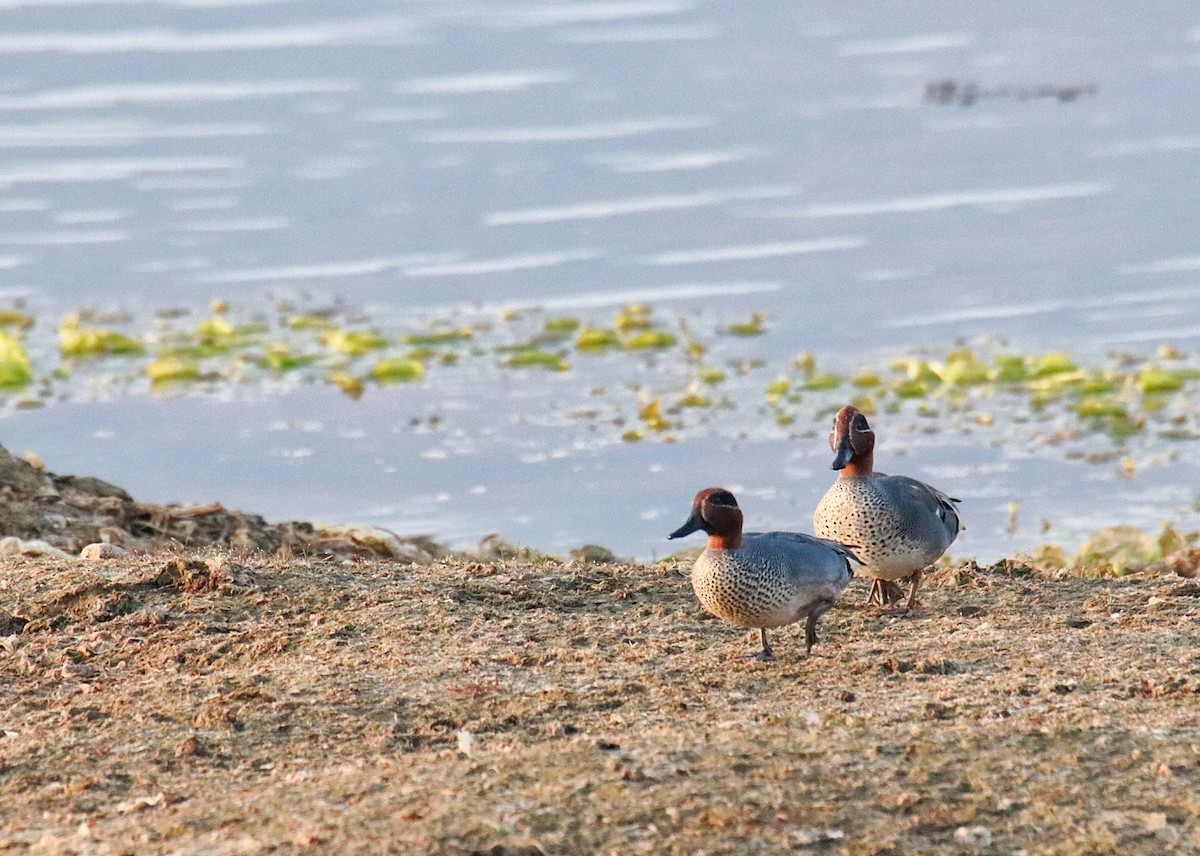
column 256, row 705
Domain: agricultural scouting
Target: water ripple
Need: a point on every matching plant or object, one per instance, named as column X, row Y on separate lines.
column 1013, row 196
column 379, row 30
column 749, row 252
column 570, row 133
column 637, row 205
column 557, row 14
column 529, row 261
column 912, row 44
column 171, row 93
column 329, row 270
column 474, row 84
column 122, row 133
column 102, row 169
column 635, row 162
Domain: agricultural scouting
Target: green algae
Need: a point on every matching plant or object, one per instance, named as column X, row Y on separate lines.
column 963, row 368
column 562, row 326
column 351, row 385
column 439, row 337
column 280, row 357
column 779, row 386
column 753, row 326
column 353, row 342
column 1008, row 368
column 215, row 328
column 866, row 379
column 649, row 339
column 397, row 370
column 533, row 358
column 651, row 415
column 1124, row 395
column 1052, row 363
column 170, row 369
column 76, row 341
column 15, row 318
column 1154, row 379
column 15, row 370
column 635, row 316
column 822, row 381
column 596, row 339
column 310, row 322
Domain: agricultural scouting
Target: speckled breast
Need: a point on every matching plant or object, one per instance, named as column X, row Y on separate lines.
column 854, row 512
column 740, row 593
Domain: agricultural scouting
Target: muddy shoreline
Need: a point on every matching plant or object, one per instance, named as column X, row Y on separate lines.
column 191, row 698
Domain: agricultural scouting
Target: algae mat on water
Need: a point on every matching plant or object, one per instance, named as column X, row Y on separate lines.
column 211, row 703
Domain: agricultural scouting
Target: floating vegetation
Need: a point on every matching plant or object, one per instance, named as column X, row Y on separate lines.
column 823, row 381
column 645, row 339
column 15, row 318
column 533, row 358
column 215, row 328
column 651, row 414
column 596, row 339
column 15, row 371
column 173, row 369
column 281, row 358
column 310, row 322
column 635, row 316
column 753, row 326
column 963, row 368
column 347, row 383
column 398, row 370
column 1155, row 379
column 76, row 341
column 561, row 326
column 353, row 342
column 1052, row 364
column 1125, row 395
column 439, row 337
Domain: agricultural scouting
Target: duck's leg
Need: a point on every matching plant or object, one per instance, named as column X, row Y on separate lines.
column 875, row 595
column 892, row 593
column 912, row 591
column 810, row 630
column 766, row 653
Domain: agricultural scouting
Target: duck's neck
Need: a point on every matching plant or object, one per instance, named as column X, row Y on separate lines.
column 725, row 542
column 860, row 465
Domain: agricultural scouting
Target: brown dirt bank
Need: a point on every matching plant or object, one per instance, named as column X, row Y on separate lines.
column 70, row 512
column 225, row 703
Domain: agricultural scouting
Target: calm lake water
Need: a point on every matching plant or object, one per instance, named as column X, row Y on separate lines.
column 709, row 158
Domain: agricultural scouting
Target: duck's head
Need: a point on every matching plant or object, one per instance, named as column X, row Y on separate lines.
column 716, row 513
column 852, row 442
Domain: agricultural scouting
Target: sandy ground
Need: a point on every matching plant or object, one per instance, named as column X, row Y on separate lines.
column 219, row 702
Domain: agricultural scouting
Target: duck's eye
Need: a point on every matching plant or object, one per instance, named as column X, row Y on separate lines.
column 723, row 498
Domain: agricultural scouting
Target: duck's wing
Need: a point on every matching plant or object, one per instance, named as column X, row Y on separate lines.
column 908, row 490
column 801, row 541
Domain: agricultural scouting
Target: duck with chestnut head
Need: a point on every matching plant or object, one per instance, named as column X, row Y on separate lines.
column 899, row 525
column 762, row 579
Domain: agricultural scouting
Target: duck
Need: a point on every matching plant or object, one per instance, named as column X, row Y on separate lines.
column 762, row 579
column 900, row 526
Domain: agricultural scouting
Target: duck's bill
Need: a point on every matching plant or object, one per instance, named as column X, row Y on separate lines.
column 694, row 524
column 844, row 453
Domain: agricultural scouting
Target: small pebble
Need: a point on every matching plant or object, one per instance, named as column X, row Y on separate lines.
column 973, row 836
column 102, row 551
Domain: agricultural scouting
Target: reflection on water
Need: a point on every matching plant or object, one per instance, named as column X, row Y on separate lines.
column 410, row 157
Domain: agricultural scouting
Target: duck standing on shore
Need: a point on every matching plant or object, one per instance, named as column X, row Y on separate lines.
column 762, row 579
column 900, row 526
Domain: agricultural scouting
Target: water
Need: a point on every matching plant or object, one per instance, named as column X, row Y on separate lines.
column 714, row 158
